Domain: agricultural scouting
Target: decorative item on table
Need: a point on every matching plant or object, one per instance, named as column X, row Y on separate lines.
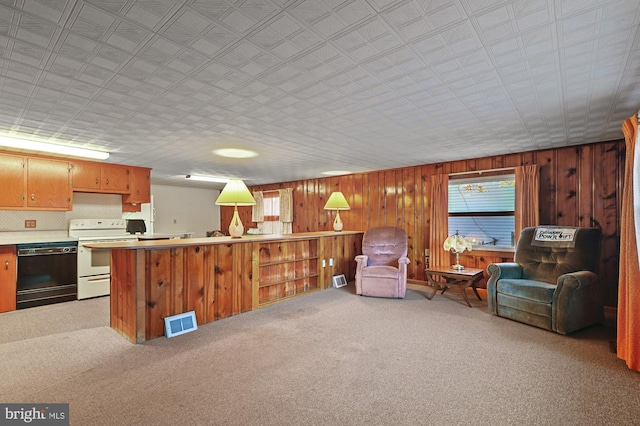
column 457, row 244
column 235, row 193
column 337, row 202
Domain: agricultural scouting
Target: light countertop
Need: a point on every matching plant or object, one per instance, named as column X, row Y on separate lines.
column 182, row 242
column 29, row 237
column 161, row 236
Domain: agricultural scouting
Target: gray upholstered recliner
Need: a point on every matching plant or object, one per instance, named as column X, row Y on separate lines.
column 381, row 270
column 552, row 283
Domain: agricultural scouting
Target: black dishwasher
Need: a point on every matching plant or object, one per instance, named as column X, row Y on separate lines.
column 47, row 273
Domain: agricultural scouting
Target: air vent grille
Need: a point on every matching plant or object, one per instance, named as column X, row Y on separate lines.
column 180, row 324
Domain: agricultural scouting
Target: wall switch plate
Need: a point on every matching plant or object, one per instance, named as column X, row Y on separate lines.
column 331, row 262
column 324, row 263
column 30, row 223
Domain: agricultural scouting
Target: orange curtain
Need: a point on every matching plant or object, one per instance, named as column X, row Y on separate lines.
column 439, row 230
column 527, row 195
column 628, row 347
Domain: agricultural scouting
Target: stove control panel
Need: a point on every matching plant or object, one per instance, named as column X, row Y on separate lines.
column 100, row 224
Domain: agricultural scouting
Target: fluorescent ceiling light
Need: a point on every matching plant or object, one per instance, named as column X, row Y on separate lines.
column 208, row 178
column 336, row 172
column 55, row 149
column 235, row 153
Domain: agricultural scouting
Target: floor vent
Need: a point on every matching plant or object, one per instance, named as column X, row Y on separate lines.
column 179, row 324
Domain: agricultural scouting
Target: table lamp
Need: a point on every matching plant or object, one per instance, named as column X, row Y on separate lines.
column 457, row 244
column 337, row 202
column 235, row 193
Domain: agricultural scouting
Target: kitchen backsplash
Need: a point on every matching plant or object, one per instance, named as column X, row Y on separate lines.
column 85, row 206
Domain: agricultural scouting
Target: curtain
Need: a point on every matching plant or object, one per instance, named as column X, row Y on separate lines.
column 439, row 230
column 527, row 195
column 286, row 210
column 628, row 345
column 257, row 210
column 271, row 205
column 284, row 224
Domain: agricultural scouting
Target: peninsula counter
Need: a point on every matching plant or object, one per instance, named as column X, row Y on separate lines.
column 219, row 276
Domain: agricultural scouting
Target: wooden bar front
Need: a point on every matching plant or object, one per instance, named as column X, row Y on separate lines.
column 219, row 277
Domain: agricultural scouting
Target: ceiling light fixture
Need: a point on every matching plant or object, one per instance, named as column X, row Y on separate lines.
column 52, row 148
column 235, row 153
column 336, row 172
column 207, row 178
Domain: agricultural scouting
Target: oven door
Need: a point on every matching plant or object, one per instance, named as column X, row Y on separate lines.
column 92, row 262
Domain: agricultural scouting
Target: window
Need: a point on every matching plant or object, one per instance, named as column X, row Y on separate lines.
column 271, row 206
column 482, row 208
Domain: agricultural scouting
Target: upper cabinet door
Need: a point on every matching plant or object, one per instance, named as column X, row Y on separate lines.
column 48, row 184
column 115, row 178
column 85, row 176
column 140, row 186
column 13, row 181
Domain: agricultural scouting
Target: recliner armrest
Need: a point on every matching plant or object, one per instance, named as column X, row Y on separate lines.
column 576, row 280
column 577, row 302
column 362, row 259
column 504, row 270
column 498, row 271
column 402, row 267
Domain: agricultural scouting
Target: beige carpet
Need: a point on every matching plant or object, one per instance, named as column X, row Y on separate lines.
column 330, row 358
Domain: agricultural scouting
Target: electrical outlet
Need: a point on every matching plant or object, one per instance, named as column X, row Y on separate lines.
column 30, row 223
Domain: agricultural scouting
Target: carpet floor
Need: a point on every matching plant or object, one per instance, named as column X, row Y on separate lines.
column 328, row 358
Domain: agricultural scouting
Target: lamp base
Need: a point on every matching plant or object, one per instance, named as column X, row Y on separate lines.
column 236, row 229
column 337, row 223
column 457, row 266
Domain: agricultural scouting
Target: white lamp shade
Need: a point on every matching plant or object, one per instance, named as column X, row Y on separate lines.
column 337, row 202
column 235, row 193
column 457, row 244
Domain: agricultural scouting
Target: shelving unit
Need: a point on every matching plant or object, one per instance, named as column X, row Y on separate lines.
column 287, row 269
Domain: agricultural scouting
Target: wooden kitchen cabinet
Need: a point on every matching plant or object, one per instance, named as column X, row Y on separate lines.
column 8, row 278
column 13, row 181
column 99, row 177
column 115, row 178
column 86, row 175
column 48, row 184
column 140, row 186
column 34, row 183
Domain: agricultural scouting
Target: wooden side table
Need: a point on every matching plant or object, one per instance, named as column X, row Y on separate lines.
column 463, row 279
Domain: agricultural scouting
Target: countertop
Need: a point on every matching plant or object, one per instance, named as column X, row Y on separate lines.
column 29, row 237
column 161, row 236
column 182, row 242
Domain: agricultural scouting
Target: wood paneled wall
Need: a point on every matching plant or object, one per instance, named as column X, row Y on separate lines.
column 579, row 186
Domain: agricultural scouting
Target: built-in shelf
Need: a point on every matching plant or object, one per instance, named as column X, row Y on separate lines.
column 287, row 269
column 280, row 262
column 285, row 280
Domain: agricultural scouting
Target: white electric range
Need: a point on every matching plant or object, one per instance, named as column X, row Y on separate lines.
column 94, row 278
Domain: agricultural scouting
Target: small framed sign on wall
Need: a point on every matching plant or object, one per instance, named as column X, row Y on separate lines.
column 339, row 281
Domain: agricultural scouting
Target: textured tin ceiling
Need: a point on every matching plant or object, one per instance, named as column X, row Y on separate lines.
column 316, row 85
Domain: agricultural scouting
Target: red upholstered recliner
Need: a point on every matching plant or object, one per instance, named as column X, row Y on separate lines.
column 382, row 268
